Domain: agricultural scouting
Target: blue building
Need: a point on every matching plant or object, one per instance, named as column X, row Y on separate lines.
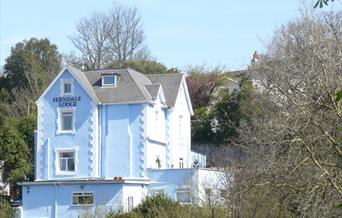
column 109, row 138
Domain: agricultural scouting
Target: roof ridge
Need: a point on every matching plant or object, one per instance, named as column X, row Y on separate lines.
column 77, row 72
column 129, row 71
column 165, row 74
column 153, row 84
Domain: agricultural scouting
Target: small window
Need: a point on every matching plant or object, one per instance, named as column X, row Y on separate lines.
column 109, row 80
column 67, row 161
column 183, row 195
column 181, row 163
column 156, row 114
column 66, row 87
column 130, row 203
column 67, row 120
column 157, row 191
column 82, row 198
column 180, row 125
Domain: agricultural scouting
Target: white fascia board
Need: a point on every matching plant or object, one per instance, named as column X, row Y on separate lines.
column 161, row 95
column 51, row 84
column 187, row 95
column 56, row 79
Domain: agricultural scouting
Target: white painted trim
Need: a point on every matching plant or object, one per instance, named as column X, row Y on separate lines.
column 161, row 95
column 162, row 142
column 183, row 189
column 57, row 167
column 187, row 96
column 48, row 158
column 59, row 120
column 109, row 85
column 82, row 205
column 56, row 79
column 65, row 81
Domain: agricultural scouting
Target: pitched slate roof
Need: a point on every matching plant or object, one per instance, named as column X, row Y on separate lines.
column 170, row 84
column 132, row 86
column 153, row 90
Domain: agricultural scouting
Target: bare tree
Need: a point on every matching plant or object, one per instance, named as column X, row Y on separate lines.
column 127, row 35
column 105, row 38
column 294, row 141
column 92, row 40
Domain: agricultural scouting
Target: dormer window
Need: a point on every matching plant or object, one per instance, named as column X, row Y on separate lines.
column 109, row 80
column 66, row 87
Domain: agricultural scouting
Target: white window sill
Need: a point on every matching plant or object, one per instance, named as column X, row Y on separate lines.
column 61, row 173
column 82, row 205
column 67, row 94
column 65, row 132
column 160, row 141
column 108, row 86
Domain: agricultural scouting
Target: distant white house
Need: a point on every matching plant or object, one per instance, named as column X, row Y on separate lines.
column 4, row 188
column 109, row 138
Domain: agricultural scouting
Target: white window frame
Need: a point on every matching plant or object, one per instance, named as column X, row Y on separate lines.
column 180, row 125
column 157, row 191
column 115, row 80
column 83, row 194
column 130, row 203
column 181, row 163
column 57, row 161
column 59, row 120
column 183, row 190
column 67, row 81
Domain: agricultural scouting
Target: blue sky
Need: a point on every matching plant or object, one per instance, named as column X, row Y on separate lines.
column 178, row 32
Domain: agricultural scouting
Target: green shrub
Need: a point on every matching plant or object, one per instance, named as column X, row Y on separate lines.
column 161, row 206
column 6, row 211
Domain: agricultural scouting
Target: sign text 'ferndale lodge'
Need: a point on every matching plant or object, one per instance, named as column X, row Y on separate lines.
column 67, row 101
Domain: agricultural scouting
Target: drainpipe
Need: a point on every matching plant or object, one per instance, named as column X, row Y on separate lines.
column 55, row 201
column 99, row 135
column 48, row 159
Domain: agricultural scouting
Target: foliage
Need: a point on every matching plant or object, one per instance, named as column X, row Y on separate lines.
column 5, row 210
column 202, row 130
column 26, row 127
column 32, row 64
column 321, row 3
column 160, row 206
column 201, row 85
column 294, row 145
column 157, row 206
column 219, row 120
column 145, row 66
column 104, row 38
column 28, row 70
column 15, row 154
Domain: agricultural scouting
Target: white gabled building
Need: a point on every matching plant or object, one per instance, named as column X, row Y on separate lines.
column 108, row 138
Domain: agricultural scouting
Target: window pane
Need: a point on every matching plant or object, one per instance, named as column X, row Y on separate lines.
column 183, row 196
column 67, row 120
column 62, row 164
column 66, row 113
column 82, row 198
column 67, row 88
column 75, row 200
column 88, row 199
column 71, row 164
column 108, row 80
column 67, row 154
column 130, row 203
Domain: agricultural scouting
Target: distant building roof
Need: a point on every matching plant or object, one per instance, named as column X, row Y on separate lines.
column 131, row 87
column 170, row 84
column 153, row 90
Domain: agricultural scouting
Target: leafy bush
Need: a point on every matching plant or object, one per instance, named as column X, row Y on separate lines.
column 5, row 210
column 161, row 206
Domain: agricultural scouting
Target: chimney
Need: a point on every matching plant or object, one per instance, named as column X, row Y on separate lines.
column 255, row 57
